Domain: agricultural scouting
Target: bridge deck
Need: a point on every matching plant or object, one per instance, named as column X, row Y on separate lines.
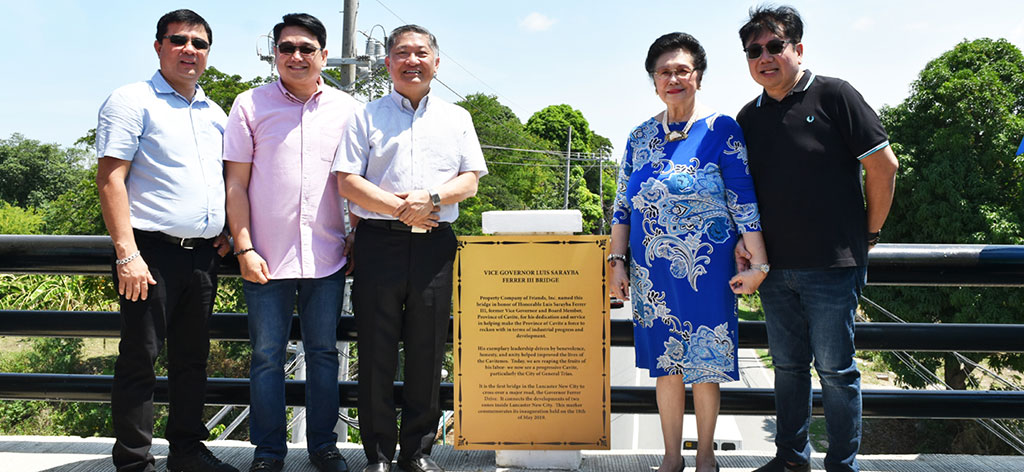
column 73, row 454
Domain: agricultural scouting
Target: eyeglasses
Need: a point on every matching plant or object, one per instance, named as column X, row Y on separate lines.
column 181, row 40
column 288, row 49
column 667, row 74
column 773, row 47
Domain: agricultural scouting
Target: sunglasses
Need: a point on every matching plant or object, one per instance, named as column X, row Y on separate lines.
column 181, row 40
column 773, row 47
column 288, row 49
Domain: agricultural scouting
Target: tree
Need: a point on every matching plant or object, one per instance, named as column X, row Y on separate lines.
column 527, row 165
column 32, row 173
column 959, row 182
column 17, row 220
column 77, row 211
column 553, row 122
column 223, row 88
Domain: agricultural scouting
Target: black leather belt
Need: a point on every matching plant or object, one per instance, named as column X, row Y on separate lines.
column 187, row 243
column 395, row 225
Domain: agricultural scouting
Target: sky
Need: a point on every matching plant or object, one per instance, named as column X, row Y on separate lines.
column 530, row 54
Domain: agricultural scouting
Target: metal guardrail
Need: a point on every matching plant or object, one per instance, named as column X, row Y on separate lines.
column 889, row 264
column 944, row 404
column 872, row 336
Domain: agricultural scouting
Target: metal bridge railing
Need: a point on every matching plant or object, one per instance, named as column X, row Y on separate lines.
column 889, row 264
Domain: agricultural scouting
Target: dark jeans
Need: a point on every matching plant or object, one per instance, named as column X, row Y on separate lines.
column 809, row 315
column 270, row 322
column 402, row 291
column 178, row 309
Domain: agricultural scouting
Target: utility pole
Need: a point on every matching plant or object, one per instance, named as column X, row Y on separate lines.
column 568, row 153
column 348, row 42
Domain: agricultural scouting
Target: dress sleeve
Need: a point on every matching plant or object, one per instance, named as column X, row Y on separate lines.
column 739, row 186
column 622, row 207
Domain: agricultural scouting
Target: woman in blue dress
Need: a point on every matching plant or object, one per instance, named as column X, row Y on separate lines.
column 684, row 199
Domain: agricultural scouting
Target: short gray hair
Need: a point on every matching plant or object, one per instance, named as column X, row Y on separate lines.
column 395, row 33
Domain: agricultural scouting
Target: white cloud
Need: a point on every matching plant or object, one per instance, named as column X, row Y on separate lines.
column 536, row 22
column 863, row 23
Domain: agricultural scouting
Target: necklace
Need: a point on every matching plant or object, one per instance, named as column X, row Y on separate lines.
column 679, row 135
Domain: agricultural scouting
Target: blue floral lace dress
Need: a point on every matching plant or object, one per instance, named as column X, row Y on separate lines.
column 685, row 202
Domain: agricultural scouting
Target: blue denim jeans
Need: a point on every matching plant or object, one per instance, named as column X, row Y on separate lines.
column 271, row 306
column 809, row 315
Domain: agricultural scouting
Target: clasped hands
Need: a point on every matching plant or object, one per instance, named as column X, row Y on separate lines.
column 746, row 281
column 416, row 209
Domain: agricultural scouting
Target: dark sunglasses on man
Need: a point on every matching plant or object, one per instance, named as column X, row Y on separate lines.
column 181, row 40
column 773, row 47
column 288, row 49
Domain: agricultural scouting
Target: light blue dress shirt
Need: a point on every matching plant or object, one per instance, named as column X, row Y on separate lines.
column 176, row 180
column 401, row 149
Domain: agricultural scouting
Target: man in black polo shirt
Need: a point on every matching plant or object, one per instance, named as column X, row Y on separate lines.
column 808, row 137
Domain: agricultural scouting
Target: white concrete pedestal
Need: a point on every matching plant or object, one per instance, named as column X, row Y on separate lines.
column 535, row 222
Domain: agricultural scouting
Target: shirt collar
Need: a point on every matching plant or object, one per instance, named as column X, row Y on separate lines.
column 405, row 104
column 801, row 86
column 290, row 96
column 160, row 85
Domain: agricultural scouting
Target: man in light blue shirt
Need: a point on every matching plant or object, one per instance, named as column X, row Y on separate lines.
column 161, row 188
column 404, row 164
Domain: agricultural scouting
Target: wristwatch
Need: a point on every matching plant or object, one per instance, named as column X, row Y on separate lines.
column 761, row 267
column 434, row 197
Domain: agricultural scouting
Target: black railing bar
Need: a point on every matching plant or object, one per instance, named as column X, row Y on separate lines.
column 889, row 264
column 870, row 336
column 939, row 404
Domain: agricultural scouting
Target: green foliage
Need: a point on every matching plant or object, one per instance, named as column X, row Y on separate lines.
column 553, row 122
column 223, row 88
column 77, row 211
column 16, row 220
column 375, row 85
column 32, row 173
column 959, row 182
column 55, row 355
column 522, row 180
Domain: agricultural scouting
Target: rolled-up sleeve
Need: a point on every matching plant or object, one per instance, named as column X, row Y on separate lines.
column 118, row 128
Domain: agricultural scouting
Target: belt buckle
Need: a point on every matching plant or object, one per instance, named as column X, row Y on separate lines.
column 417, row 229
column 185, row 246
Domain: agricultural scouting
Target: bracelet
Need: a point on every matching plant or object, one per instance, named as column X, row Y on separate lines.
column 127, row 259
column 874, row 237
column 616, row 257
column 243, row 251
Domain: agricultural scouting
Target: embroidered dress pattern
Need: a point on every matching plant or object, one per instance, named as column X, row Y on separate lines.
column 686, row 203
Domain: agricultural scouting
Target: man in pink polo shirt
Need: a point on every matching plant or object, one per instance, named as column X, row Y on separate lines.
column 286, row 218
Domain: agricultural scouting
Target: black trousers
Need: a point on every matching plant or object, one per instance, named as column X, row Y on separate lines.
column 178, row 309
column 402, row 291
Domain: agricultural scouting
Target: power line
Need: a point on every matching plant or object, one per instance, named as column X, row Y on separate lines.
column 452, row 59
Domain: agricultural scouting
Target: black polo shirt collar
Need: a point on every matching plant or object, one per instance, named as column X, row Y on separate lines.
column 801, row 86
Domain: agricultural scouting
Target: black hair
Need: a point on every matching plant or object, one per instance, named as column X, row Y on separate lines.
column 675, row 41
column 395, row 33
column 783, row 21
column 185, row 16
column 305, row 21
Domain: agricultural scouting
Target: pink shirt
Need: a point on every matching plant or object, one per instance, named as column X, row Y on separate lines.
column 295, row 212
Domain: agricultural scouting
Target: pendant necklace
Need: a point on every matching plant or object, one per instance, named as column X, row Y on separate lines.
column 679, row 135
